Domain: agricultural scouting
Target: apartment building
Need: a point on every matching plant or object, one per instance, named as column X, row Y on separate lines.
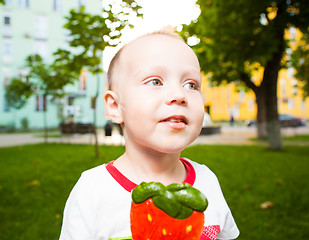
column 35, row 26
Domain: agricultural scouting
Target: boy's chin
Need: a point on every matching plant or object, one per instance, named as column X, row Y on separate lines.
column 172, row 147
column 163, row 143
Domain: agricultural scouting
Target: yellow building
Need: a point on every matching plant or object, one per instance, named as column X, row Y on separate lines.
column 226, row 100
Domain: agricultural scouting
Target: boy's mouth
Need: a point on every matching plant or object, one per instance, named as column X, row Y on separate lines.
column 177, row 122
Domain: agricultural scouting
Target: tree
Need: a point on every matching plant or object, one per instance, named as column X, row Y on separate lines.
column 90, row 35
column 48, row 80
column 2, row 2
column 300, row 61
column 17, row 93
column 238, row 37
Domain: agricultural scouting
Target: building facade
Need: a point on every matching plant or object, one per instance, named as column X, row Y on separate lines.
column 35, row 26
column 224, row 101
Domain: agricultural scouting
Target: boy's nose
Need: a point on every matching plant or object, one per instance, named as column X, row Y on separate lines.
column 176, row 96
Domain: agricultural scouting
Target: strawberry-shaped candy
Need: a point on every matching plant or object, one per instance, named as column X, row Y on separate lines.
column 174, row 212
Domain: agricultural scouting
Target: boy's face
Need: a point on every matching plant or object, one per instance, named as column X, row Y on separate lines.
column 158, row 84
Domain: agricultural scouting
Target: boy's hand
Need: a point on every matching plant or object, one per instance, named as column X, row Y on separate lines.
column 174, row 212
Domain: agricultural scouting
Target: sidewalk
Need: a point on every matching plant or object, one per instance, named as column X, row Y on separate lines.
column 242, row 135
column 229, row 135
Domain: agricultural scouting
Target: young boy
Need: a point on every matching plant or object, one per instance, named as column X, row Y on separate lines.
column 155, row 95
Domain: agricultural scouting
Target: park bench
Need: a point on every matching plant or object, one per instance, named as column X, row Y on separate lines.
column 82, row 128
column 210, row 130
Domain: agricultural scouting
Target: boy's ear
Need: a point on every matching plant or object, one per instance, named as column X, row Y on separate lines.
column 112, row 107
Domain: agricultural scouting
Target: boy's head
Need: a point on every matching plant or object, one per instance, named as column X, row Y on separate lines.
column 154, row 94
column 111, row 73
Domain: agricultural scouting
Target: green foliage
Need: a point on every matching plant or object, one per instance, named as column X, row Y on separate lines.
column 35, row 183
column 48, row 79
column 300, row 61
column 236, row 37
column 86, row 32
column 2, row 2
column 91, row 34
column 17, row 93
column 25, row 124
column 10, row 128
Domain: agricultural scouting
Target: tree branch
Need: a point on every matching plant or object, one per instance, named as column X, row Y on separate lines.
column 247, row 80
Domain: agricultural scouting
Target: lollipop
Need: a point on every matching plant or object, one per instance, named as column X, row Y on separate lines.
column 174, row 212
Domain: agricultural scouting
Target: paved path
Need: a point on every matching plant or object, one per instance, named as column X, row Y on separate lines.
column 243, row 136
column 229, row 135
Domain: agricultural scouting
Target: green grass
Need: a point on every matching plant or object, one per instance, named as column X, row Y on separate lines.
column 304, row 138
column 36, row 180
column 51, row 134
column 295, row 138
column 252, row 175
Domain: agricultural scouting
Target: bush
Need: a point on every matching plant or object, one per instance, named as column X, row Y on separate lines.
column 25, row 124
column 11, row 127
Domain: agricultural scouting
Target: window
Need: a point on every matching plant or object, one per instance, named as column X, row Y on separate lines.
column 70, row 100
column 6, row 107
column 7, row 74
column 7, row 29
column 23, row 3
column 8, row 3
column 303, row 105
column 82, row 80
column 293, row 33
column 7, row 20
column 57, row 5
column 290, row 72
column 251, row 104
column 23, row 74
column 283, row 88
column 291, row 103
column 82, row 3
column 40, row 103
column 40, row 27
column 41, row 48
column 7, row 51
column 294, row 86
column 242, row 96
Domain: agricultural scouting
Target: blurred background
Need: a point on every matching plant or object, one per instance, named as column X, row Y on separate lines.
column 254, row 58
column 55, row 54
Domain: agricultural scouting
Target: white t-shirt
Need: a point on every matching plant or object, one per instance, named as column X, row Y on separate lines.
column 98, row 207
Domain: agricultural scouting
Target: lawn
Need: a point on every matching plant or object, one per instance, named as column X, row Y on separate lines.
column 36, row 180
column 302, row 137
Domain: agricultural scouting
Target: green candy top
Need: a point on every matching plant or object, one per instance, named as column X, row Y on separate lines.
column 177, row 200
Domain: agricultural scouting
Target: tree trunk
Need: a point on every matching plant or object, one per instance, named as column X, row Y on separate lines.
column 96, row 145
column 270, row 79
column 259, row 92
column 45, row 126
column 261, row 113
column 273, row 124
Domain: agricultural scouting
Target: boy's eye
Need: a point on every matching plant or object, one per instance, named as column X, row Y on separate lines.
column 191, row 86
column 154, row 82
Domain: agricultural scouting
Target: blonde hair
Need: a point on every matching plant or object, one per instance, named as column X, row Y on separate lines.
column 115, row 59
